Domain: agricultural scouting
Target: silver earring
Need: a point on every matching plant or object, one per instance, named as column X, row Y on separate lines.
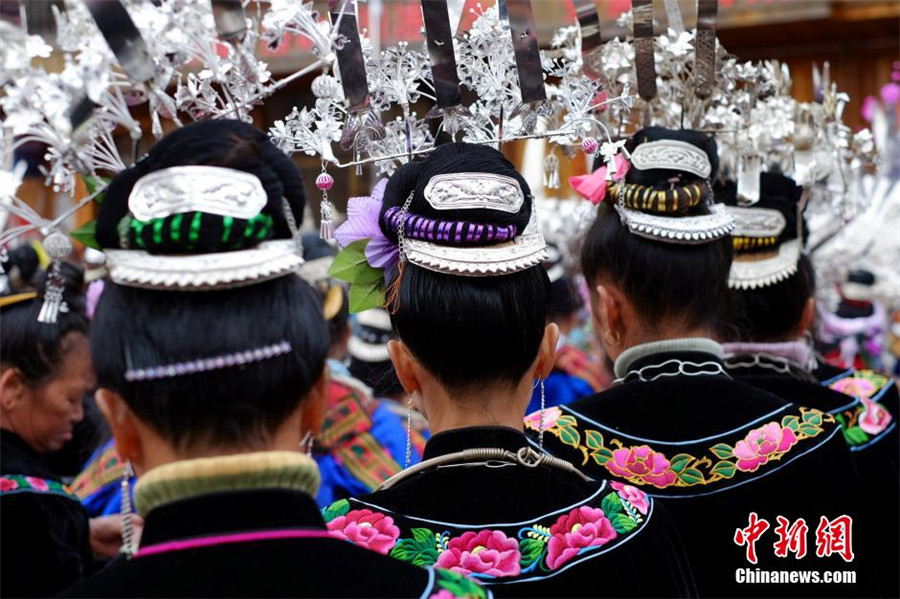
column 127, row 513
column 306, row 443
column 409, row 407
column 543, row 407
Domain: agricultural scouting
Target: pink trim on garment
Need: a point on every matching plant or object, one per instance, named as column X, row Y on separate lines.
column 242, row 537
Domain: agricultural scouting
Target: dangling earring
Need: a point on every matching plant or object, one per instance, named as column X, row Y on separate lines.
column 127, row 513
column 306, row 443
column 543, row 407
column 409, row 407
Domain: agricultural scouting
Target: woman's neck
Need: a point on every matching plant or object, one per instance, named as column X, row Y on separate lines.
column 490, row 406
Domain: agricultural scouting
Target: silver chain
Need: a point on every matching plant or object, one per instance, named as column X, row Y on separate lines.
column 401, row 227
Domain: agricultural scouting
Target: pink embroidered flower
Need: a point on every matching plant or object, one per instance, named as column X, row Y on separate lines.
column 760, row 444
column 633, row 495
column 486, row 552
column 367, row 529
column 855, row 387
column 37, row 483
column 551, row 415
column 643, row 463
column 582, row 527
column 8, row 484
column 875, row 418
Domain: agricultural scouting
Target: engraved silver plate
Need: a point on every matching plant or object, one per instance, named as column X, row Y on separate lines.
column 502, row 259
column 691, row 230
column 753, row 274
column 204, row 272
column 483, row 191
column 757, row 222
column 210, row 189
column 673, row 155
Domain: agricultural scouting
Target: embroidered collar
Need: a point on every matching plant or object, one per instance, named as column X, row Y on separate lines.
column 768, row 365
column 646, row 352
column 686, row 467
column 190, row 478
column 533, row 549
column 459, row 439
column 798, row 352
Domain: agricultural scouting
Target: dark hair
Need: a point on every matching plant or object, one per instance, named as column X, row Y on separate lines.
column 667, row 282
column 136, row 328
column 380, row 376
column 37, row 348
column 340, row 322
column 770, row 313
column 222, row 142
column 470, row 332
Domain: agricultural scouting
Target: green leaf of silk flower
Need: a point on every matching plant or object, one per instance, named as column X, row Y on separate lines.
column 87, row 234
column 365, row 296
column 93, row 183
column 351, row 265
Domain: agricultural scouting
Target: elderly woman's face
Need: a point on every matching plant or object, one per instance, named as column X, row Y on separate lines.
column 50, row 411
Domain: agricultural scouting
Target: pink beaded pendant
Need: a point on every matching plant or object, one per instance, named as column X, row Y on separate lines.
column 589, row 145
column 324, row 182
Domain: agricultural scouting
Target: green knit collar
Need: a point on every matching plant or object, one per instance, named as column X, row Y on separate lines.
column 189, row 478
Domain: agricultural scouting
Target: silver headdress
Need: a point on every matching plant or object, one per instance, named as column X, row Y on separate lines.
column 195, row 190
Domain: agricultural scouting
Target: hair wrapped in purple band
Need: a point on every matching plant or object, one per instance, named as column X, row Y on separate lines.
column 463, row 233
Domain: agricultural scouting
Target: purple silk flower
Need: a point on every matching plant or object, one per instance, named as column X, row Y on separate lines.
column 362, row 223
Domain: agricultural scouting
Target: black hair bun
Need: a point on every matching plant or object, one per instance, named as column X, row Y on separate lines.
column 224, row 143
column 451, row 158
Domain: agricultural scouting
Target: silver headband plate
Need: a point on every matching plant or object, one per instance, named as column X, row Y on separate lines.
column 690, row 230
column 484, row 191
column 757, row 222
column 755, row 273
column 671, row 154
column 210, row 189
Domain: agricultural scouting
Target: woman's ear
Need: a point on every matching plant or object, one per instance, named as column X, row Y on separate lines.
column 313, row 406
column 547, row 352
column 405, row 366
column 13, row 390
column 122, row 422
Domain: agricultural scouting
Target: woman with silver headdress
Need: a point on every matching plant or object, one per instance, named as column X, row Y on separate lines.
column 210, row 358
column 725, row 455
column 469, row 299
column 773, row 307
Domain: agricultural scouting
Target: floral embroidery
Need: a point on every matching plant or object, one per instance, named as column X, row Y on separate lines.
column 551, row 418
column 452, row 585
column 643, row 465
column 367, row 529
column 761, row 444
column 861, row 384
column 488, row 552
column 539, row 548
column 18, row 483
column 869, row 418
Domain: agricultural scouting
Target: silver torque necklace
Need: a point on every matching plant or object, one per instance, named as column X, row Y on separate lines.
column 685, row 368
column 526, row 456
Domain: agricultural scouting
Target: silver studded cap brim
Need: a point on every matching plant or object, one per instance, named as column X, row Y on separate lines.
column 204, row 272
column 755, row 274
column 488, row 261
column 689, row 230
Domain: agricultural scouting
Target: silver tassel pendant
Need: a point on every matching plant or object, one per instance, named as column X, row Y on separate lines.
column 551, row 171
column 58, row 246
column 128, row 548
column 326, row 226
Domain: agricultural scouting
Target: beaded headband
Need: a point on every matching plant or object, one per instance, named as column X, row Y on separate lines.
column 241, row 358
